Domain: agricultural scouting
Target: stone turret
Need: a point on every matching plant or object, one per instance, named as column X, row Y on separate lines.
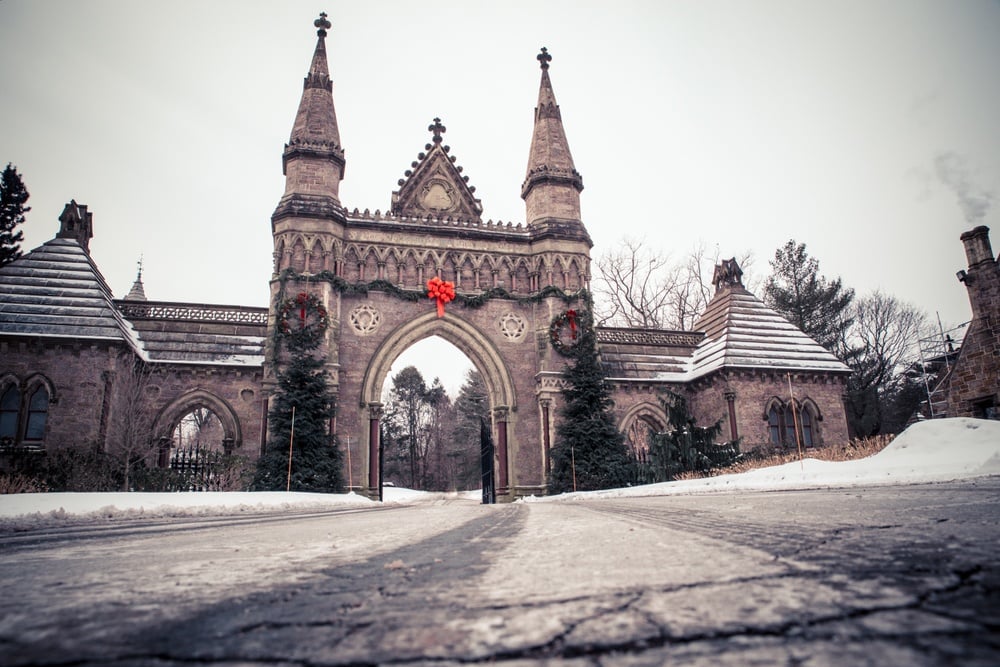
column 313, row 161
column 552, row 185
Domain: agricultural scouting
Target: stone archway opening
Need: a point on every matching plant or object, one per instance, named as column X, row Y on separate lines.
column 498, row 389
column 434, row 401
column 199, row 429
column 639, row 425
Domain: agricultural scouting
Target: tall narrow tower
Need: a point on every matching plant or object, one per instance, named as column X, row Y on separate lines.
column 309, row 222
column 552, row 185
column 313, row 161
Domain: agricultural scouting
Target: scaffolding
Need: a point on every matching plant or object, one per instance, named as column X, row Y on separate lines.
column 937, row 355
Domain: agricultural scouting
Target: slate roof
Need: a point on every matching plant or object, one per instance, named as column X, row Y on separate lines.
column 742, row 332
column 198, row 333
column 56, row 290
column 736, row 331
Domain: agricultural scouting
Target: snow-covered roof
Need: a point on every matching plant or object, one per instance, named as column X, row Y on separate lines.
column 736, row 331
column 742, row 332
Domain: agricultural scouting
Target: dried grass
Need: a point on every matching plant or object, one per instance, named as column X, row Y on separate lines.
column 855, row 449
column 15, row 483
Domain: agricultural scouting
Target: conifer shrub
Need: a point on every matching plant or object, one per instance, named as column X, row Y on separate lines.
column 303, row 385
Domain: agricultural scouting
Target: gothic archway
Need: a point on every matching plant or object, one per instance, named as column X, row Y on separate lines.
column 173, row 412
column 471, row 342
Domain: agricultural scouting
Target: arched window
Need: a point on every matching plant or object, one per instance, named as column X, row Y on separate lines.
column 784, row 419
column 10, row 405
column 806, row 424
column 38, row 412
column 774, row 425
column 790, row 420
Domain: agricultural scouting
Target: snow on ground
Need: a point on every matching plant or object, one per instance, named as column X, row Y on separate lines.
column 931, row 451
column 938, row 450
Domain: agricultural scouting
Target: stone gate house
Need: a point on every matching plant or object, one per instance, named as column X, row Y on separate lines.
column 65, row 341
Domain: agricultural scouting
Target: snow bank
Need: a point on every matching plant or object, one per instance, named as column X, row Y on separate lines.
column 937, row 450
column 931, row 451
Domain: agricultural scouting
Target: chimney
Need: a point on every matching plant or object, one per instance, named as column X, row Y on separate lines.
column 977, row 246
column 76, row 223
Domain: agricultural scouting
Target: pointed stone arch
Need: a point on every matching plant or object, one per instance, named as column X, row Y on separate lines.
column 170, row 414
column 647, row 413
column 462, row 334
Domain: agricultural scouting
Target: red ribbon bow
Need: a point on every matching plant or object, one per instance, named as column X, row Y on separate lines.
column 571, row 318
column 442, row 290
column 302, row 299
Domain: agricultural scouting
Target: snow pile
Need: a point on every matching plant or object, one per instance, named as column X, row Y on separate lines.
column 932, row 451
column 938, row 450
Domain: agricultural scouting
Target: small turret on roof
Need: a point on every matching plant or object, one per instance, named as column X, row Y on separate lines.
column 137, row 293
column 77, row 223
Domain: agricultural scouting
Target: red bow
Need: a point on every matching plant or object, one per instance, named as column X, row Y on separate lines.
column 571, row 318
column 442, row 290
column 302, row 299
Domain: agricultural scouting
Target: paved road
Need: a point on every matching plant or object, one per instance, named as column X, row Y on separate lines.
column 880, row 576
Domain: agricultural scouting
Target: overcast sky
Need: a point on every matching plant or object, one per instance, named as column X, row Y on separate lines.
column 870, row 130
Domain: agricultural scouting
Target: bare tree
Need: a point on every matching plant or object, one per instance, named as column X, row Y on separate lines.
column 881, row 344
column 635, row 286
column 638, row 286
column 130, row 439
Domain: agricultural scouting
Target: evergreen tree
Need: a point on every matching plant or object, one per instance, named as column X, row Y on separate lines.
column 13, row 196
column 316, row 456
column 471, row 407
column 685, row 446
column 589, row 448
column 816, row 306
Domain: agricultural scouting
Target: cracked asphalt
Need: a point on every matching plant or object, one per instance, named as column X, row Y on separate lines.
column 873, row 576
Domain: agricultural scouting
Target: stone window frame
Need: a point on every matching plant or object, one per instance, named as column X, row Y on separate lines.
column 30, row 420
column 781, row 426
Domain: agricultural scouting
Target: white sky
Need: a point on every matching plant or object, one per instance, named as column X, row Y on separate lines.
column 850, row 126
column 939, row 450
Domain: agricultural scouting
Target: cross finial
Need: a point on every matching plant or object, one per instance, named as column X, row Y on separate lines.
column 438, row 129
column 544, row 58
column 139, row 266
column 322, row 24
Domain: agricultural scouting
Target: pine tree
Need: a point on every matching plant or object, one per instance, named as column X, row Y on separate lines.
column 685, row 446
column 13, row 196
column 816, row 306
column 316, row 456
column 589, row 449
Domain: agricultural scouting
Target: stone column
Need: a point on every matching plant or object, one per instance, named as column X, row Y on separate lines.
column 546, row 405
column 731, row 404
column 374, row 415
column 500, row 416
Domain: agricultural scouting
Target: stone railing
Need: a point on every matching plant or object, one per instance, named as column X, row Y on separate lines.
column 442, row 221
column 197, row 312
column 660, row 337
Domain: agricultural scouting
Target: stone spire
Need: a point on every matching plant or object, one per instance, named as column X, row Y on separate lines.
column 138, row 292
column 313, row 161
column 551, row 189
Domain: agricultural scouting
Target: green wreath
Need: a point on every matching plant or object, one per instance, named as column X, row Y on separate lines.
column 569, row 319
column 303, row 320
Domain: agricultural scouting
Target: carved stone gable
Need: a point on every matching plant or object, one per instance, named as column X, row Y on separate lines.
column 435, row 186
